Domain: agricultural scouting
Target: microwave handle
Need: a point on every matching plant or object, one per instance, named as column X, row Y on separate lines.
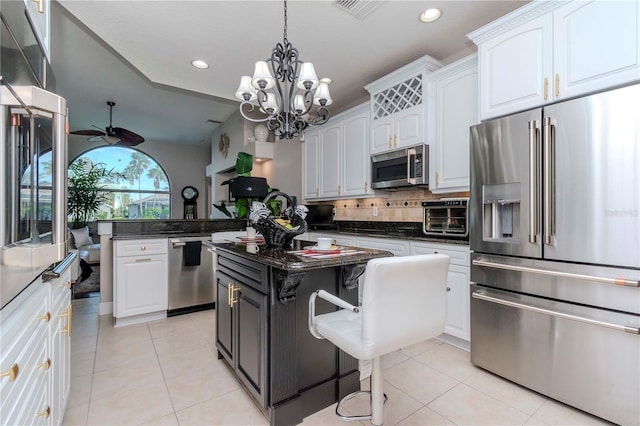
column 410, row 180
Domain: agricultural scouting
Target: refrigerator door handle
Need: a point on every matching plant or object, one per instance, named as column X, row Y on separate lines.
column 481, row 295
column 616, row 281
column 534, row 136
column 549, row 183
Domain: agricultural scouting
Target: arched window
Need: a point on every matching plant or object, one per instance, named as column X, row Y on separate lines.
column 135, row 185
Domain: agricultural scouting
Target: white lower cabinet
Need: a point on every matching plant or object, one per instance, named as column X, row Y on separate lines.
column 397, row 247
column 458, row 282
column 141, row 280
column 35, row 353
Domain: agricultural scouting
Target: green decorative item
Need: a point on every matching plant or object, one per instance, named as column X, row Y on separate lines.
column 244, row 166
column 86, row 181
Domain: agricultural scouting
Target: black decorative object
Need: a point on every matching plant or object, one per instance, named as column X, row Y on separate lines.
column 249, row 187
column 275, row 234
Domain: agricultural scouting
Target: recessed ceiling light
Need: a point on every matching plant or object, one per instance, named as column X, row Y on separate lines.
column 430, row 15
column 200, row 64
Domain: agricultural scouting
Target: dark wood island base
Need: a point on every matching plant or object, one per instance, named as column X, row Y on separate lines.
column 262, row 332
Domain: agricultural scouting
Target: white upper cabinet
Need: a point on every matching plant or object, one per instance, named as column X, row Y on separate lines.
column 397, row 106
column 39, row 13
column 550, row 51
column 336, row 157
column 311, row 164
column 596, row 45
column 330, row 140
column 452, row 107
column 355, row 161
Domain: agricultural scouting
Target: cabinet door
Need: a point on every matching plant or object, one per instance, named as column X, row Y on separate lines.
column 60, row 363
column 381, row 134
column 596, row 46
column 452, row 109
column 458, row 302
column 330, row 161
column 409, row 127
column 250, row 311
column 142, row 285
column 513, row 69
column 356, row 163
column 397, row 247
column 224, row 319
column 311, row 188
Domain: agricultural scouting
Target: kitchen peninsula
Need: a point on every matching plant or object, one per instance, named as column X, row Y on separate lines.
column 261, row 325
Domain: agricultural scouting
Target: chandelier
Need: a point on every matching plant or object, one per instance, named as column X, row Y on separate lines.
column 288, row 98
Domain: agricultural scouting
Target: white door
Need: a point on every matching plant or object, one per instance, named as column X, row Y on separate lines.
column 453, row 108
column 142, row 285
column 458, row 302
column 356, row 163
column 330, row 161
column 516, row 68
column 409, row 126
column 596, row 46
column 311, row 170
column 381, row 134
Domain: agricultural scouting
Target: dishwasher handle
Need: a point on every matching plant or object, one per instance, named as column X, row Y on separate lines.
column 175, row 244
column 481, row 295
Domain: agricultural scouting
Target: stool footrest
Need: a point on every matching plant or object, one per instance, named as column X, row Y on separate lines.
column 355, row 418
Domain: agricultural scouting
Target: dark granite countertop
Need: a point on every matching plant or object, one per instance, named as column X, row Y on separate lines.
column 392, row 230
column 281, row 258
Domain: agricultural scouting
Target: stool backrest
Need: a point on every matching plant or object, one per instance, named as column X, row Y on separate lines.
column 403, row 301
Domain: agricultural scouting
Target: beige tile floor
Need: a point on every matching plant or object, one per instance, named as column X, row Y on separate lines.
column 166, row 372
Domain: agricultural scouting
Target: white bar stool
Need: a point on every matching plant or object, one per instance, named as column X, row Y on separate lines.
column 403, row 303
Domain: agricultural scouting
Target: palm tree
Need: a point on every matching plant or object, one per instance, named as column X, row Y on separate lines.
column 159, row 177
column 138, row 163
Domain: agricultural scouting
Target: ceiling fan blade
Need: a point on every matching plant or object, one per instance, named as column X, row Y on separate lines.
column 127, row 137
column 87, row 132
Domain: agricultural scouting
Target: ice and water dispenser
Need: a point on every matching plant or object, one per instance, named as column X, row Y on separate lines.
column 501, row 214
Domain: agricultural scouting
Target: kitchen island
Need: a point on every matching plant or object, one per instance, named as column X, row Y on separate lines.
column 261, row 325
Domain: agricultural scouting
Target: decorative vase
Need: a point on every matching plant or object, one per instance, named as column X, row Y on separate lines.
column 261, row 133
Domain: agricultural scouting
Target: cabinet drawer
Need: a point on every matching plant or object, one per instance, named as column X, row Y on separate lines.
column 459, row 254
column 141, row 247
column 250, row 273
column 17, row 397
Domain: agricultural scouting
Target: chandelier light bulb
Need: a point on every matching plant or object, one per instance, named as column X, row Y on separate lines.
column 298, row 103
column 308, row 80
column 270, row 105
column 245, row 91
column 262, row 78
column 322, row 96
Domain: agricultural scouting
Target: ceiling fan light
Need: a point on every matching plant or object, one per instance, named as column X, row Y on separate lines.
column 308, row 78
column 262, row 78
column 111, row 140
column 245, row 91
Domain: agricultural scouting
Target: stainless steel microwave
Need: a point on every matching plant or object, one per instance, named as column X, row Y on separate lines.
column 403, row 167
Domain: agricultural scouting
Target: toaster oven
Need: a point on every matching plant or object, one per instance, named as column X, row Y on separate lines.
column 446, row 218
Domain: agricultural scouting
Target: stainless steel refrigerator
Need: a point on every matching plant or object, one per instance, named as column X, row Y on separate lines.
column 555, row 235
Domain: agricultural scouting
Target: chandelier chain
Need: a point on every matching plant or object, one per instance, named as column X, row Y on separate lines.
column 285, row 22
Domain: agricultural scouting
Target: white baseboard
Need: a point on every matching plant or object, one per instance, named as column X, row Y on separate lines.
column 105, row 308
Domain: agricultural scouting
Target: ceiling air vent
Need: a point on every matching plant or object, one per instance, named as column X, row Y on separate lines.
column 358, row 8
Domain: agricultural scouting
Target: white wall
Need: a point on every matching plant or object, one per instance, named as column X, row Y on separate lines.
column 184, row 165
column 285, row 170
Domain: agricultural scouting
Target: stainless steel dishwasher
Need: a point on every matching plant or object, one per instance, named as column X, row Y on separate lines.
column 191, row 286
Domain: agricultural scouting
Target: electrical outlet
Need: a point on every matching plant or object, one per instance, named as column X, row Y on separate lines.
column 375, row 211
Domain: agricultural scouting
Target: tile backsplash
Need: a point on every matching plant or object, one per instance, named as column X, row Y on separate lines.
column 398, row 206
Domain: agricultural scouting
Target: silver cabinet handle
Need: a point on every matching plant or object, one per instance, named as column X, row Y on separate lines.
column 146, row 259
column 616, row 281
column 482, row 296
column 533, row 180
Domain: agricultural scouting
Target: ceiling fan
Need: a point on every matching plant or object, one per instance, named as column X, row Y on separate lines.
column 111, row 135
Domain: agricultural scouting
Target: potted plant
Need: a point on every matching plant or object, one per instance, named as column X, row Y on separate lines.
column 86, row 195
